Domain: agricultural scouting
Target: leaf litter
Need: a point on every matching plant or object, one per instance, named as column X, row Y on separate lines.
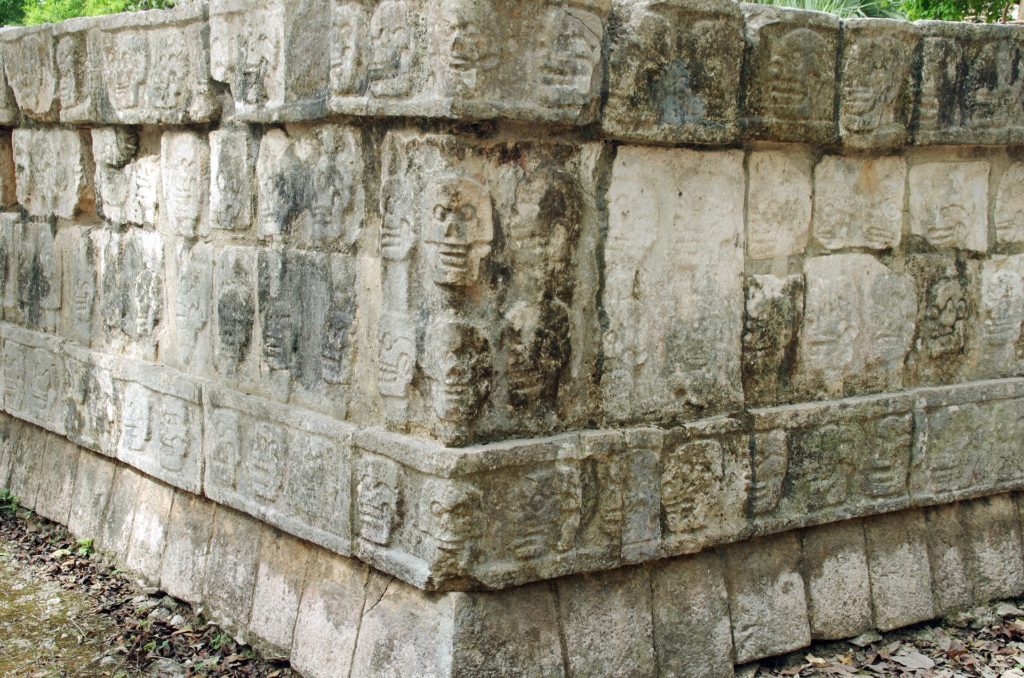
column 66, row 611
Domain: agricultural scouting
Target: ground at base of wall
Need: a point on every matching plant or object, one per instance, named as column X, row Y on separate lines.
column 986, row 641
column 65, row 612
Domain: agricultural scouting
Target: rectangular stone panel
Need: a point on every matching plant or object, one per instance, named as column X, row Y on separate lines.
column 858, row 202
column 29, row 60
column 949, row 204
column 876, row 83
column 950, row 561
column 779, row 190
column 188, row 344
column 999, row 351
column 232, row 178
column 500, row 631
column 970, row 84
column 58, row 468
column 673, row 291
column 280, row 577
column 116, row 531
column 189, row 529
column 53, row 171
column 231, row 566
column 766, row 597
column 273, row 55
column 149, row 530
column 37, row 271
column 78, row 262
column 1009, row 205
column 791, row 74
column 901, row 584
column 992, row 531
column 287, row 470
column 92, row 403
column 33, row 378
column 184, row 182
column 79, row 71
column 94, row 481
column 128, row 179
column 692, row 630
column 774, row 313
column 465, row 353
column 608, row 623
column 310, row 186
column 132, row 302
column 161, row 428
column 948, row 297
column 541, row 61
column 835, row 567
column 9, row 111
column 674, row 72
column 329, row 616
column 858, row 326
column 155, row 67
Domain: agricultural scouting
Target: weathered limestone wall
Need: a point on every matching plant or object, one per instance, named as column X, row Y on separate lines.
column 482, row 294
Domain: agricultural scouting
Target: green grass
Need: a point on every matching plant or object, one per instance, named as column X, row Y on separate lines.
column 28, row 12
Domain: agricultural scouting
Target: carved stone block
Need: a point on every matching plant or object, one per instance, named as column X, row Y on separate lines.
column 185, row 182
column 128, row 184
column 455, row 59
column 131, row 290
column 1009, row 206
column 92, row 401
column 80, row 85
column 948, row 297
column 273, row 55
column 859, row 320
column 292, row 472
column 161, row 425
column 704, row 482
column 774, row 311
column 33, row 378
column 38, row 271
column 10, row 237
column 999, row 346
column 950, row 562
column 971, row 84
column 190, row 295
column 93, row 484
column 791, row 79
column 674, row 72
column 310, row 184
column 78, row 259
column 673, row 296
column 859, row 202
column 307, row 355
column 876, row 82
column 232, row 179
column 8, row 105
column 31, row 68
column 190, row 526
column 156, row 67
column 461, row 346
column 766, row 597
column 992, row 530
column 949, row 204
column 778, row 203
column 53, row 172
column 234, row 282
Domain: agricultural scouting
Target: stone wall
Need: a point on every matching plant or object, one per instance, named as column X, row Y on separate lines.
column 484, row 294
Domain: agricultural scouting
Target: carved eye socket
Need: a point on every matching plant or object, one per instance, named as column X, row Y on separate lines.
column 437, row 509
column 467, row 212
column 440, row 212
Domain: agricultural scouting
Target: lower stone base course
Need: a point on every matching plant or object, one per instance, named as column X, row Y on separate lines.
column 691, row 616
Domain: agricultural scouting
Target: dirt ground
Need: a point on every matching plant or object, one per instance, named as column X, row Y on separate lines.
column 64, row 611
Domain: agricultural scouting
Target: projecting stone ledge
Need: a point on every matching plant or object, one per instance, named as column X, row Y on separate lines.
column 505, row 514
column 693, row 616
column 667, row 71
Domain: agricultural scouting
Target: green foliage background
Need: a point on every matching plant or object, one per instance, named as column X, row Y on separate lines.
column 42, row 11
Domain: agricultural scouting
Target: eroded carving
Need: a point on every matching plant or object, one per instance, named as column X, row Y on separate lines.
column 269, row 453
column 771, row 464
column 570, row 50
column 691, row 485
column 459, row 230
column 392, row 50
column 451, row 520
column 379, row 505
column 546, row 514
column 173, row 435
column 458, row 364
column 397, row 355
column 137, row 427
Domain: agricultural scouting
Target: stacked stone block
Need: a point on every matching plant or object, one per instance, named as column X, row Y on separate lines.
column 450, row 300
